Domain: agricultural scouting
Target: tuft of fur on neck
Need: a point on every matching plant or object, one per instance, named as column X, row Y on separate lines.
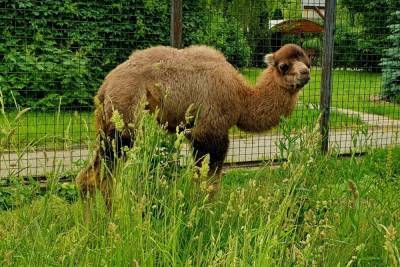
column 265, row 103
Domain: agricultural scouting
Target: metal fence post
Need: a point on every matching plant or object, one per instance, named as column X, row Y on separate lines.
column 326, row 75
column 176, row 23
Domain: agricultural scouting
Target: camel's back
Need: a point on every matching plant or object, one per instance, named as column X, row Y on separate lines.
column 197, row 56
column 196, row 75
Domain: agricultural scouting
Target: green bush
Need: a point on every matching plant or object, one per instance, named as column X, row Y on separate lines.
column 17, row 192
column 368, row 19
column 41, row 75
column 313, row 43
column 346, row 51
column 65, row 48
column 226, row 35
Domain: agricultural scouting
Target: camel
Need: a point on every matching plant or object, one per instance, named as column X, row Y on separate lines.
column 198, row 78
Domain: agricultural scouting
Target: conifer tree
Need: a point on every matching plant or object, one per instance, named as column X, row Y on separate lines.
column 391, row 62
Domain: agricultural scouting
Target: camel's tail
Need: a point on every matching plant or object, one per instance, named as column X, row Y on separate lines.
column 89, row 178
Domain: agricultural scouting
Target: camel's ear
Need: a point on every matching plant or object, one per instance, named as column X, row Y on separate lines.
column 269, row 59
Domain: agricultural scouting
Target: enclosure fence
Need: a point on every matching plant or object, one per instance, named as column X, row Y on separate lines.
column 54, row 55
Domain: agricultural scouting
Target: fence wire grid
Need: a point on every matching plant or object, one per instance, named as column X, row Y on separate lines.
column 55, row 54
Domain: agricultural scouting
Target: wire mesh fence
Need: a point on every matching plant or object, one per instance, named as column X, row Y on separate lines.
column 55, row 54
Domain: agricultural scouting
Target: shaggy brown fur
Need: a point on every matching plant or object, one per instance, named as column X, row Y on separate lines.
column 200, row 77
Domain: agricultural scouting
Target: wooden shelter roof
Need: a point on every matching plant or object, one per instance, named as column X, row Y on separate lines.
column 297, row 26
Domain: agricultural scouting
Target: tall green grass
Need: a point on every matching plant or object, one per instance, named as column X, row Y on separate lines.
column 313, row 210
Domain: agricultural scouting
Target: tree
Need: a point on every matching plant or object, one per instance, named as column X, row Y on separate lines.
column 391, row 62
column 371, row 17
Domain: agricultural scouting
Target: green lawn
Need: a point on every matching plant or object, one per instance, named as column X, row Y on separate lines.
column 311, row 211
column 49, row 129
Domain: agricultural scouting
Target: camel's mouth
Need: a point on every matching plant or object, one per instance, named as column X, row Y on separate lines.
column 302, row 81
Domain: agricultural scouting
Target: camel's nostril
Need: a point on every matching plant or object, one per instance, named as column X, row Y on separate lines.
column 304, row 71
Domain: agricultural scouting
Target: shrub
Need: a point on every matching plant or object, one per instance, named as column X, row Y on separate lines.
column 346, row 50
column 369, row 17
column 64, row 48
column 41, row 75
column 225, row 34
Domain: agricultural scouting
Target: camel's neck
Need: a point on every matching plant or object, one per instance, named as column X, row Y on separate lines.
column 265, row 103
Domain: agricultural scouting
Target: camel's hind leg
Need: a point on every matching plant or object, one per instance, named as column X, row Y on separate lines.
column 98, row 175
column 87, row 182
column 113, row 151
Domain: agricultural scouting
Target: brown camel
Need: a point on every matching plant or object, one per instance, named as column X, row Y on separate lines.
column 198, row 77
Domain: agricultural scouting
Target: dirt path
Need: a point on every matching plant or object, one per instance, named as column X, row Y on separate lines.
column 39, row 163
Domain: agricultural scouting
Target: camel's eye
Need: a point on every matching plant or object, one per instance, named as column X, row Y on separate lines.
column 283, row 68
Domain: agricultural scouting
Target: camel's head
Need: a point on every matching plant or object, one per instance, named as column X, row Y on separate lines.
column 291, row 65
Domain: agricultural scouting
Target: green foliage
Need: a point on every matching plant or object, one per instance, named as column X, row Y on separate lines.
column 68, row 191
column 41, row 75
column 156, row 148
column 17, row 192
column 370, row 18
column 313, row 43
column 65, row 48
column 254, row 17
column 346, row 51
column 391, row 62
column 225, row 34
